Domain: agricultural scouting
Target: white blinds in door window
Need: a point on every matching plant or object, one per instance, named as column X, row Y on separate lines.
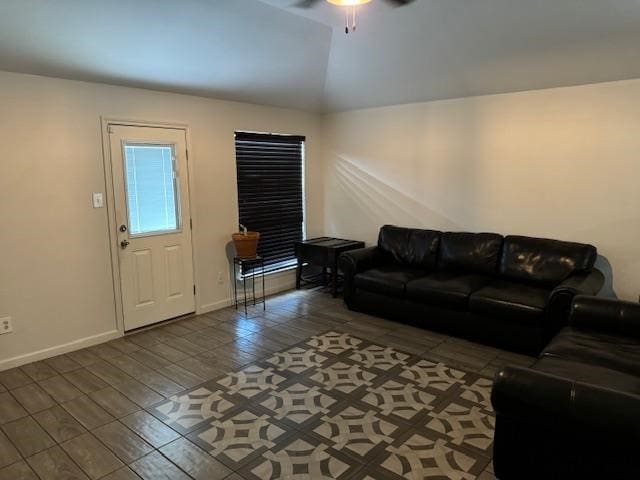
column 151, row 189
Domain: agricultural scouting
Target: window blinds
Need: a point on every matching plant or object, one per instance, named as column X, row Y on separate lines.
column 270, row 193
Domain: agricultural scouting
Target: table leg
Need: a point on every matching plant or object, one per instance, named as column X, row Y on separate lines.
column 334, row 281
column 253, row 283
column 244, row 287
column 298, row 273
column 235, row 286
column 264, row 297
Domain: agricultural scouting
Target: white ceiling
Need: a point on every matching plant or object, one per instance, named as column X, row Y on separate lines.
column 269, row 52
column 232, row 49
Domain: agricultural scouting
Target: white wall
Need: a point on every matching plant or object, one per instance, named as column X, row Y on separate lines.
column 55, row 268
column 561, row 163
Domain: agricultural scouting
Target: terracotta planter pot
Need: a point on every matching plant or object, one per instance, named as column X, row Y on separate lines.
column 246, row 245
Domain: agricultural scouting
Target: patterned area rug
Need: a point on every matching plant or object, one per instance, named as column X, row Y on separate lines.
column 338, row 406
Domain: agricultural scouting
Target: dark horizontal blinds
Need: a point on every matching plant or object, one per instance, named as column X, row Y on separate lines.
column 270, row 193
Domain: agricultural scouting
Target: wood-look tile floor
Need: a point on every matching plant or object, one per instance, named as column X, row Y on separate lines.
column 132, row 408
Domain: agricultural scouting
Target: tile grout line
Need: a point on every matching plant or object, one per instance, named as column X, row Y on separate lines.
column 308, row 309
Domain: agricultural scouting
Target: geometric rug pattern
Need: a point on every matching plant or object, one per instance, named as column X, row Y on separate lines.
column 336, row 406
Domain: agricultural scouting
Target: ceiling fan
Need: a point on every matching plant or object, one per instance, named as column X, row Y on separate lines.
column 351, row 7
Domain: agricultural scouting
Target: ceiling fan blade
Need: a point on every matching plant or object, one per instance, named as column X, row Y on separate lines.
column 306, row 3
column 400, row 3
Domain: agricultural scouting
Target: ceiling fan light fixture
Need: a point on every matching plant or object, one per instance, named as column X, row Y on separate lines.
column 350, row 7
column 348, row 3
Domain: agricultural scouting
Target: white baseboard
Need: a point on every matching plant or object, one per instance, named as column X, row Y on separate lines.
column 59, row 349
column 275, row 283
column 210, row 307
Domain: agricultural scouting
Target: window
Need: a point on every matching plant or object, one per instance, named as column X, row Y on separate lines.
column 270, row 193
column 151, row 189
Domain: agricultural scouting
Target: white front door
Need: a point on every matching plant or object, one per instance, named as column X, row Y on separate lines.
column 153, row 222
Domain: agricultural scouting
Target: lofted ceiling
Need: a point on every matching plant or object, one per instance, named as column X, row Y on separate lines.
column 268, row 52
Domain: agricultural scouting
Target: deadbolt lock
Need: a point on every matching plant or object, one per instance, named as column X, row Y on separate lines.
column 123, row 228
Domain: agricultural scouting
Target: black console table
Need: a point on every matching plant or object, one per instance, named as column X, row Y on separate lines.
column 249, row 268
column 323, row 252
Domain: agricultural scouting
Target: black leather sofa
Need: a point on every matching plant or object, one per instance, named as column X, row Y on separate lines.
column 514, row 292
column 576, row 413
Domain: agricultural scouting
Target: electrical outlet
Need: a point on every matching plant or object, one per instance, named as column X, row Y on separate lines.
column 220, row 278
column 5, row 325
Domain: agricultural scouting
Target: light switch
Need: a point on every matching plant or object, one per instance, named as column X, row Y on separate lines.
column 98, row 200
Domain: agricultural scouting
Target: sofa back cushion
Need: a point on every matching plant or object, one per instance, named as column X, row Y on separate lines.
column 544, row 261
column 409, row 246
column 470, row 252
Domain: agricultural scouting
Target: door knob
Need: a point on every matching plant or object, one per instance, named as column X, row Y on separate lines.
column 124, row 244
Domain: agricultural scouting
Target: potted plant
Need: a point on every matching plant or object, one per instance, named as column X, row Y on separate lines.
column 246, row 243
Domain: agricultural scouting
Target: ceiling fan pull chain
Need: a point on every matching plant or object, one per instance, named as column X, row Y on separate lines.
column 353, row 25
column 346, row 18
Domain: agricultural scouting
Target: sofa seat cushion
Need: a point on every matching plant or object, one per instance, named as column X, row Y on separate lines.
column 513, row 301
column 580, row 371
column 446, row 289
column 388, row 280
column 596, row 348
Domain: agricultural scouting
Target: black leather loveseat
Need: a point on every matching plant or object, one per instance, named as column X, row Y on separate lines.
column 576, row 413
column 514, row 292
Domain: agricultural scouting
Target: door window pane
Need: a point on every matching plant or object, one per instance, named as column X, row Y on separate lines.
column 151, row 189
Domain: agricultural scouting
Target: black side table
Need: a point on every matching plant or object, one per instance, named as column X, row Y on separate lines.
column 323, row 252
column 252, row 268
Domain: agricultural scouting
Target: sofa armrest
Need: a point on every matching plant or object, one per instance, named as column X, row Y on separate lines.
column 354, row 262
column 606, row 315
column 539, row 398
column 359, row 260
column 582, row 284
column 561, row 297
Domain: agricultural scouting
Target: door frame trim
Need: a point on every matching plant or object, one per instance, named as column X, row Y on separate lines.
column 106, row 122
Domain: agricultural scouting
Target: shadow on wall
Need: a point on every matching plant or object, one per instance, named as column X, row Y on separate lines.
column 621, row 249
column 603, row 264
column 364, row 203
column 230, row 250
